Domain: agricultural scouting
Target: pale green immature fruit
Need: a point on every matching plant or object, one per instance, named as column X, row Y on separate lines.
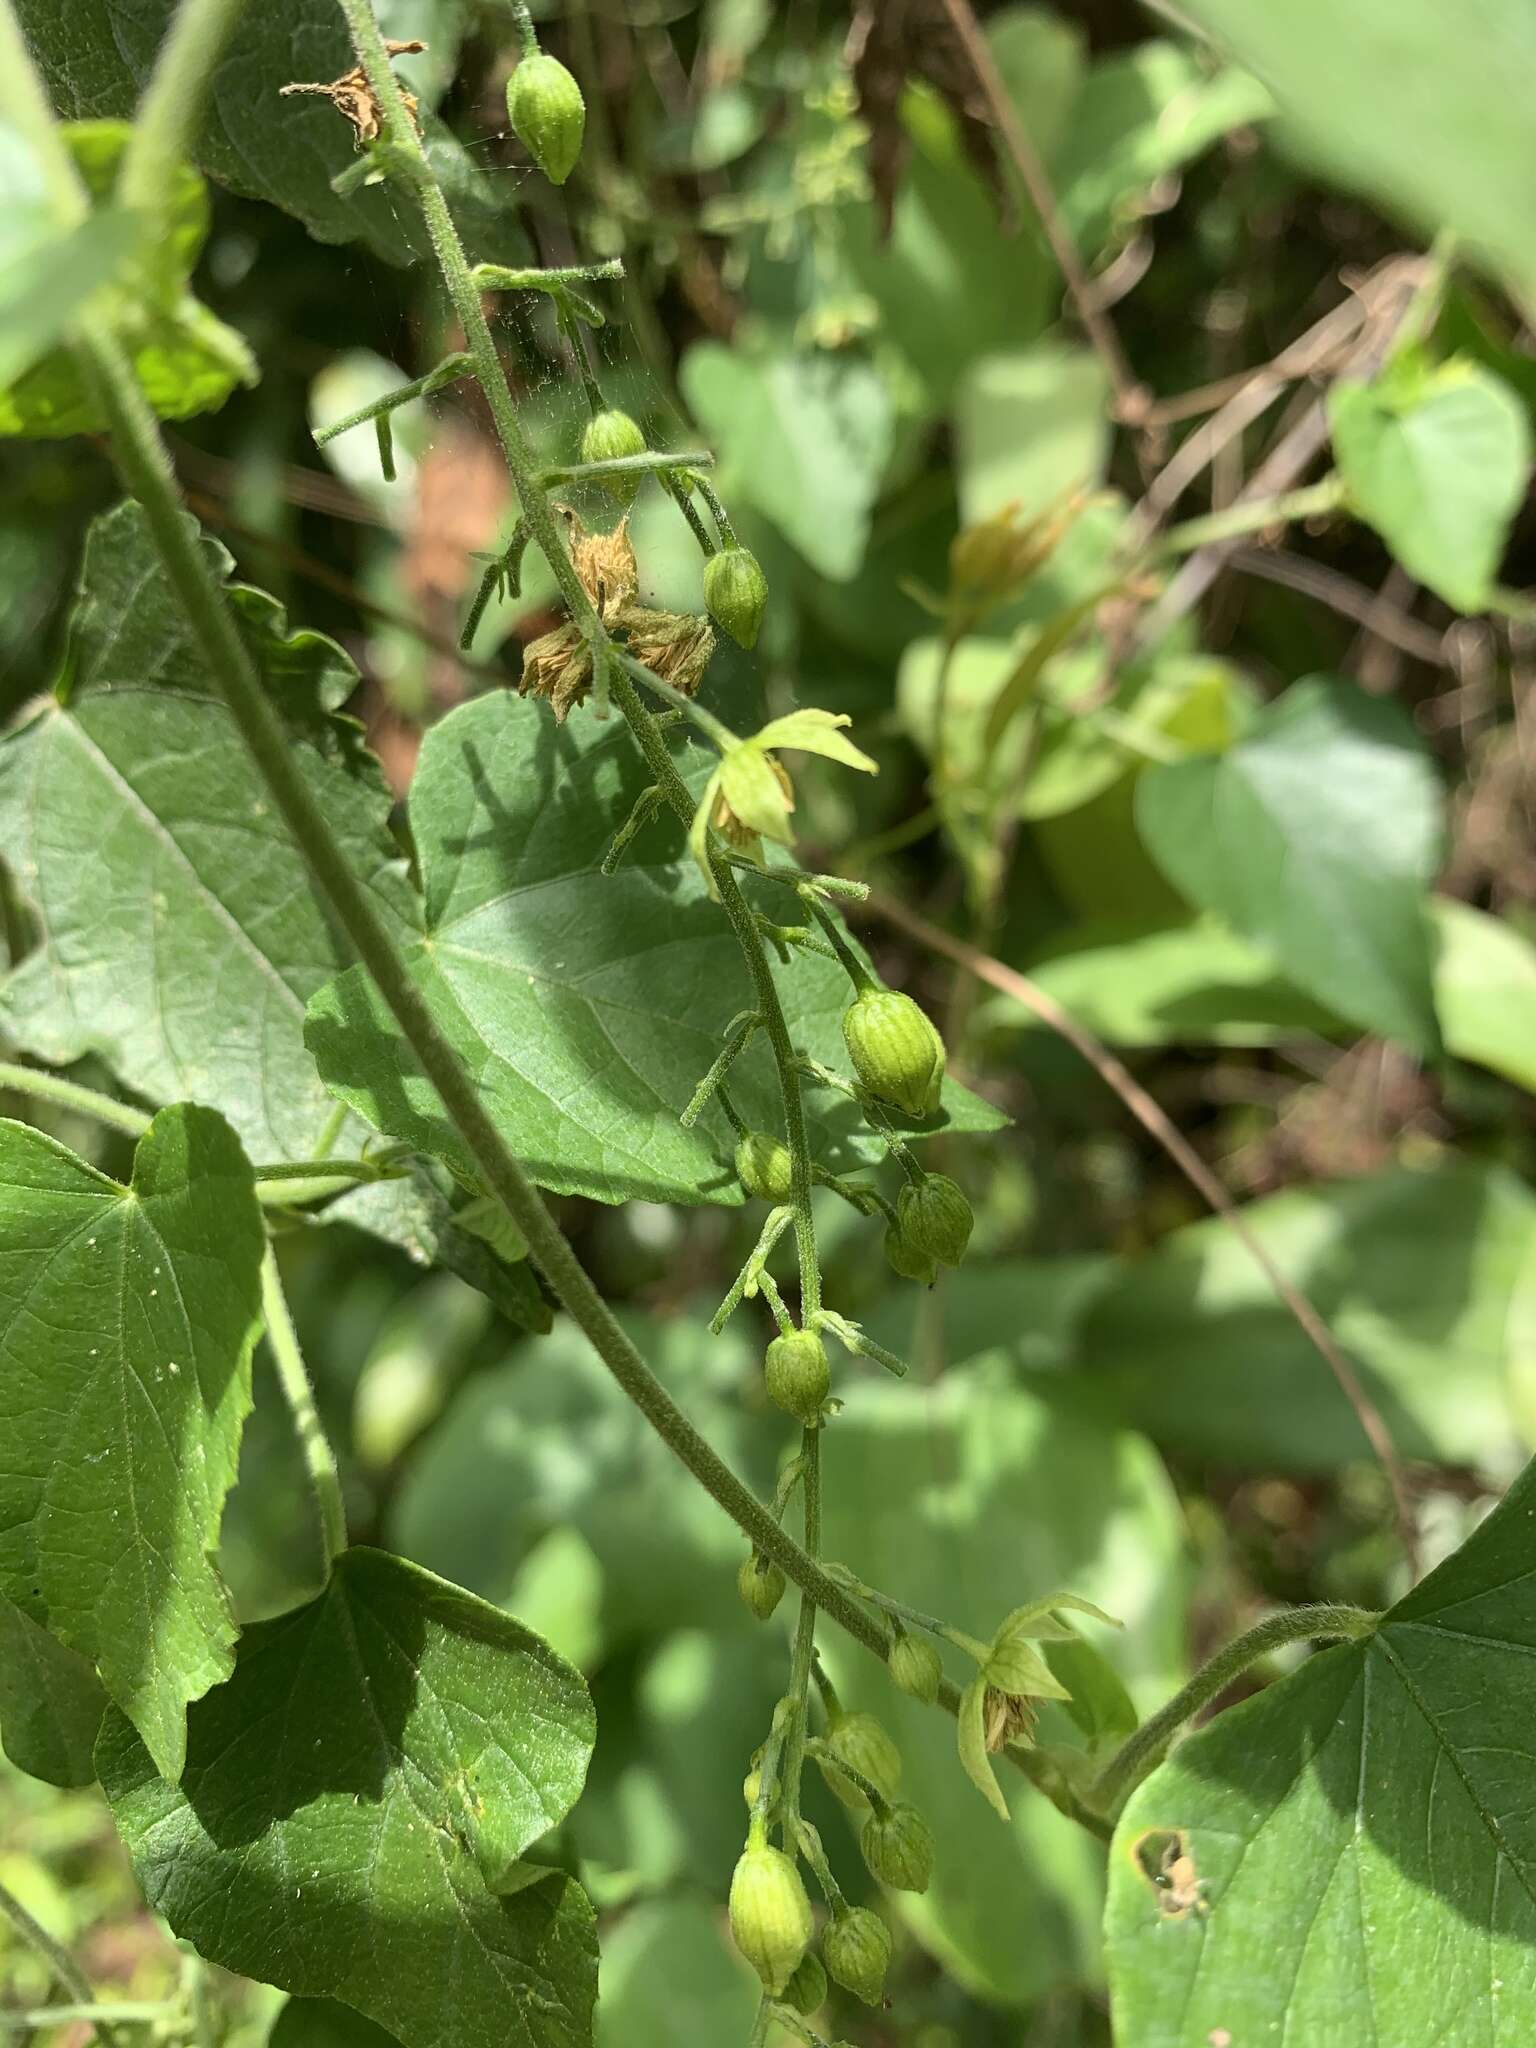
column 862, row 1743
column 936, row 1217
column 916, row 1668
column 898, row 1847
column 895, row 1050
column 770, row 1914
column 760, row 1584
column 610, row 437
column 736, row 592
column 806, row 1991
column 548, row 114
column 799, row 1378
column 856, row 1949
column 764, row 1167
column 903, row 1257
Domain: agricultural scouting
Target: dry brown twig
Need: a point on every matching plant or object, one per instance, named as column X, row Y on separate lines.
column 1152, row 1118
column 1131, row 397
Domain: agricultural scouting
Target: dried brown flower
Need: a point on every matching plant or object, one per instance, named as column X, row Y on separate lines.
column 606, row 566
column 674, row 645
column 558, row 667
column 352, row 96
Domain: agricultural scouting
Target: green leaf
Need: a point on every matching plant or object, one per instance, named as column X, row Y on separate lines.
column 1183, row 984
column 355, row 1804
column 1415, row 1274
column 1415, row 106
column 1437, row 461
column 46, row 276
column 1364, row 1826
column 185, row 360
column 96, row 57
column 1315, row 836
column 802, row 438
column 586, row 1006
column 50, row 1701
column 1140, row 115
column 1485, row 990
column 497, row 1475
column 127, row 1317
column 184, row 949
column 474, row 1239
column 322, row 2023
column 1030, row 428
column 669, row 1976
column 971, row 1738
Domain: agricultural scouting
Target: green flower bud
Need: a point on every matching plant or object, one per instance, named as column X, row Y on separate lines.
column 770, row 1914
column 861, row 1743
column 736, row 592
column 898, row 1847
column 904, row 1258
column 916, row 1668
column 751, row 1785
column 798, row 1375
column 895, row 1050
column 609, row 437
column 857, row 1952
column 764, row 1167
column 806, row 1991
column 548, row 114
column 937, row 1218
column 760, row 1584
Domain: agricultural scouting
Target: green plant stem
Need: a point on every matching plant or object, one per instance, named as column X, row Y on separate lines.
column 1146, row 1748
column 293, row 1378
column 129, row 2010
column 53, row 1088
column 400, row 130
column 66, row 1972
column 168, row 115
column 24, row 107
column 804, row 1652
column 653, row 462
column 1311, row 502
column 147, row 474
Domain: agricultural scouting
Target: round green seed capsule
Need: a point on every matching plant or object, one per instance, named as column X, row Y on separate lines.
column 610, row 437
column 764, row 1167
column 736, row 592
column 862, row 1743
column 936, row 1217
column 798, row 1375
column 857, row 1951
column 898, row 1847
column 904, row 1257
column 770, row 1914
column 916, row 1668
column 760, row 1584
column 896, row 1051
column 548, row 114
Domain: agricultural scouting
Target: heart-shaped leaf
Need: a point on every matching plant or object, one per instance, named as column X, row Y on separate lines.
column 1366, row 1827
column 1316, row 836
column 586, row 1005
column 355, row 1804
column 184, row 948
column 127, row 1317
column 1437, row 461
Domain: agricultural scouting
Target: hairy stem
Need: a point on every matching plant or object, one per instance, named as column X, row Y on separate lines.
column 1146, row 1748
column 70, row 1095
column 66, row 1972
column 319, row 1458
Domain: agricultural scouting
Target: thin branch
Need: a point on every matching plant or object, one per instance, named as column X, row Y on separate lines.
column 1009, row 982
column 1342, row 594
column 1131, row 396
column 293, row 1378
column 66, row 1972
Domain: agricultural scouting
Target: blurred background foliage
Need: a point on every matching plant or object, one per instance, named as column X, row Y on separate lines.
column 832, row 279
